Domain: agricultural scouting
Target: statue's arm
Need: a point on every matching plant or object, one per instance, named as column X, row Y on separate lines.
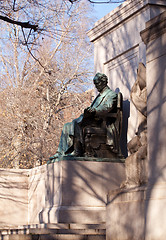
column 108, row 104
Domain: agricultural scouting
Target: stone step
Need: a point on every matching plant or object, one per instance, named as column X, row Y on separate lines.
column 54, row 232
column 54, row 237
column 70, row 237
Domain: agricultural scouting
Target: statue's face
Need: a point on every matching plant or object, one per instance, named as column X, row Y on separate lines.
column 99, row 84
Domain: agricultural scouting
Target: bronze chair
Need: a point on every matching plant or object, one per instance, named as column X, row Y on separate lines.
column 101, row 137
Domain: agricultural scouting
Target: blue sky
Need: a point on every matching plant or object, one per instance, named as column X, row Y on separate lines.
column 102, row 9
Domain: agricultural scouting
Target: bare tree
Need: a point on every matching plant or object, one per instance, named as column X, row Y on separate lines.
column 34, row 17
column 11, row 9
column 35, row 94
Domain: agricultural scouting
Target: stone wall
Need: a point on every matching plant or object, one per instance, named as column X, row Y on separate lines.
column 13, row 197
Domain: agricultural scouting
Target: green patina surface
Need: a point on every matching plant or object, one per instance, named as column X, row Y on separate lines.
column 90, row 159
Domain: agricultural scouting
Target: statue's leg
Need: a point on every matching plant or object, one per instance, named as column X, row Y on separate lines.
column 78, row 139
column 66, row 141
column 71, row 139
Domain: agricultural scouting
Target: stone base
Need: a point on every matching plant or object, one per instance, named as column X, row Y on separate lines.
column 74, row 214
column 137, row 213
column 125, row 211
column 117, row 159
column 61, row 192
column 75, row 191
column 82, row 214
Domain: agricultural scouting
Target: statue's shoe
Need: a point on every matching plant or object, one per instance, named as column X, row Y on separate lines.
column 74, row 154
column 48, row 162
column 53, row 158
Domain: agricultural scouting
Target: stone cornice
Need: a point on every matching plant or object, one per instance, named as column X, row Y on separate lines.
column 119, row 15
column 154, row 28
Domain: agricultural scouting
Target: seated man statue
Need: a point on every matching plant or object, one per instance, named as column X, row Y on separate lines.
column 72, row 137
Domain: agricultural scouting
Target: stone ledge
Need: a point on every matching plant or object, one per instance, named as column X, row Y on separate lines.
column 154, row 28
column 90, row 159
column 142, row 193
column 119, row 15
column 126, row 195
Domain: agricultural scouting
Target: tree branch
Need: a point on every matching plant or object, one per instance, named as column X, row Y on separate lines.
column 109, row 1
column 100, row 1
column 22, row 24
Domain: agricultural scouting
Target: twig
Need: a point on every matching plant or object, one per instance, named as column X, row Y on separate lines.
column 14, row 2
column 36, row 59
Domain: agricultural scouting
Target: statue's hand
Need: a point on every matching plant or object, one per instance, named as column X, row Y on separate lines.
column 88, row 111
column 91, row 110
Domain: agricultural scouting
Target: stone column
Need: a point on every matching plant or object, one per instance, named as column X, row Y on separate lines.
column 140, row 212
column 154, row 36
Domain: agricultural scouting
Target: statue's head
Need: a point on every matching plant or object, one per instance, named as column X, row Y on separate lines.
column 100, row 80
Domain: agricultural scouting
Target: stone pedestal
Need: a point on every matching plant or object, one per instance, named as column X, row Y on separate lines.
column 72, row 191
column 61, row 192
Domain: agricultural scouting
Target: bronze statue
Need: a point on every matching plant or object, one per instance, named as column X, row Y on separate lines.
column 96, row 132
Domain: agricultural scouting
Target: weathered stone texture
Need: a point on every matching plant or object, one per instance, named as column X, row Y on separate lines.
column 65, row 191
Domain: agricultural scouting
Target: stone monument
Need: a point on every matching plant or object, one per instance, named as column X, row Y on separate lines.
column 73, row 187
column 76, row 191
